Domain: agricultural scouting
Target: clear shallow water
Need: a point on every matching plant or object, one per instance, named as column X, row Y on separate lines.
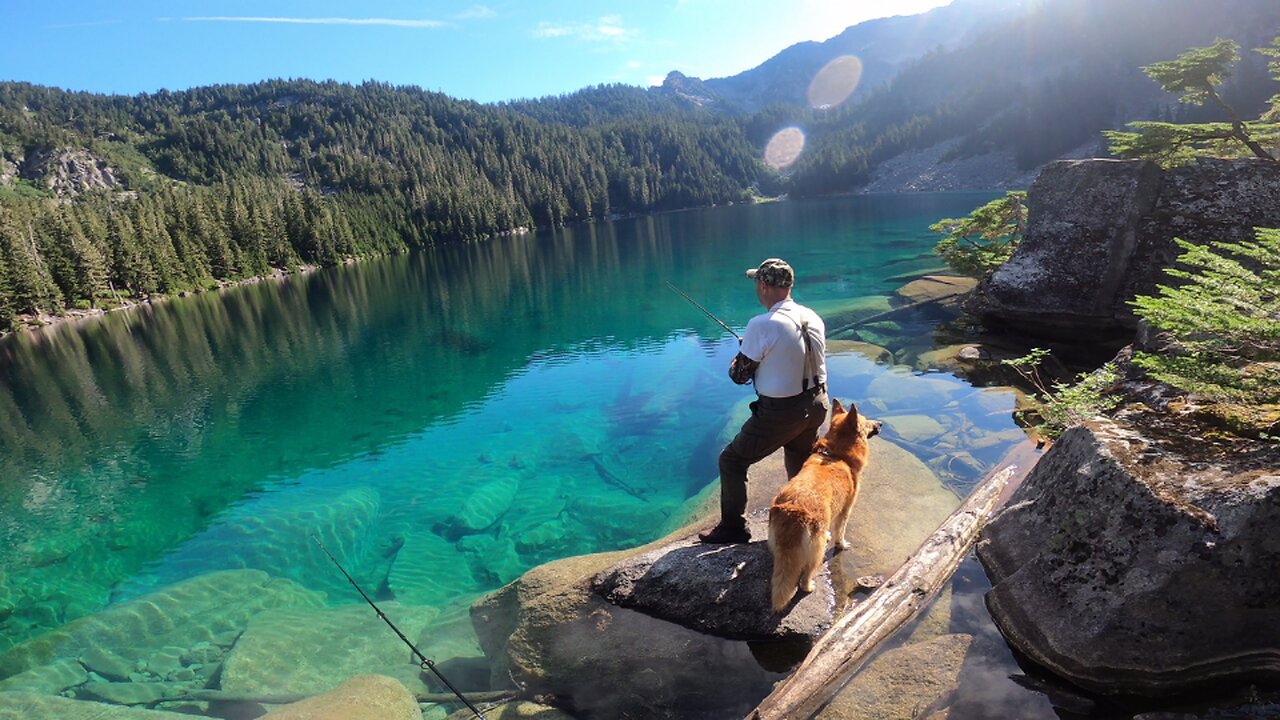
column 442, row 420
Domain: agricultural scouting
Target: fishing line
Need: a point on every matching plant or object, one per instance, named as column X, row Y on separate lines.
column 704, row 310
column 426, row 663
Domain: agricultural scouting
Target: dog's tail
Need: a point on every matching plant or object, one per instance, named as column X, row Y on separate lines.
column 791, row 544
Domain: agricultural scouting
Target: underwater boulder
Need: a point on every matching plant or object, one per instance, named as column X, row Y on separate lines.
column 211, row 608
column 311, row 650
column 364, row 697
column 20, row 706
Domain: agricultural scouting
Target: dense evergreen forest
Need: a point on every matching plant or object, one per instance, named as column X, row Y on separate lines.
column 193, row 188
column 104, row 199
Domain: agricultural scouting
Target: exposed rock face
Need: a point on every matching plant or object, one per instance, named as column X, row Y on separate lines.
column 69, row 172
column 1127, row 567
column 1100, row 232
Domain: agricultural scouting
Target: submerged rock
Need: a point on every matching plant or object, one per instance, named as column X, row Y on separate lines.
column 364, row 697
column 212, row 608
column 1128, row 564
column 25, row 706
column 900, row 683
column 312, row 650
column 276, row 535
column 516, row 710
column 937, row 288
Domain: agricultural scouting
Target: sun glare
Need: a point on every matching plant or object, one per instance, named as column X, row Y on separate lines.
column 784, row 147
column 835, row 82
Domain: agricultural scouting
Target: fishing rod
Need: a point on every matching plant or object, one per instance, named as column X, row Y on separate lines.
column 426, row 663
column 704, row 310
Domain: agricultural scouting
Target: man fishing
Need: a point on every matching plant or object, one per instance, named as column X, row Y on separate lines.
column 783, row 351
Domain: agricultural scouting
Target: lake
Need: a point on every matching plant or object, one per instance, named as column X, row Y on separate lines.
column 442, row 421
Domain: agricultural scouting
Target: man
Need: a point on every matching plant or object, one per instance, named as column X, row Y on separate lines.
column 784, row 352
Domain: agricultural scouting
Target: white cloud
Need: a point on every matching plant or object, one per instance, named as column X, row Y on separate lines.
column 633, row 64
column 393, row 22
column 606, row 28
column 656, row 80
column 476, row 12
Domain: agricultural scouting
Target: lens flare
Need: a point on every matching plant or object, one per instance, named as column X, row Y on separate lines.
column 784, row 147
column 835, row 82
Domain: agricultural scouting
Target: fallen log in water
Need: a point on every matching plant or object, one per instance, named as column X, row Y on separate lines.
column 837, row 655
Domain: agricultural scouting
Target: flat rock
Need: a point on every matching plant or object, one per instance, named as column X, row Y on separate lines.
column 516, row 710
column 936, row 288
column 48, row 679
column 364, row 697
column 27, row 706
column 914, row 428
column 208, row 608
column 309, row 651
column 898, row 683
column 715, row 589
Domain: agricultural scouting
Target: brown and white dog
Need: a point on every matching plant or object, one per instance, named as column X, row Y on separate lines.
column 814, row 506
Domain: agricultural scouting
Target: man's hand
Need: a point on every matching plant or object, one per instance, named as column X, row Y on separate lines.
column 742, row 369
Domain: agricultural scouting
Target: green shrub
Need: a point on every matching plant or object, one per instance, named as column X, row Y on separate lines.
column 979, row 243
column 1060, row 405
column 1223, row 321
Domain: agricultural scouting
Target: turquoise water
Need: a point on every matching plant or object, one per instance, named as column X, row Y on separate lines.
column 443, row 420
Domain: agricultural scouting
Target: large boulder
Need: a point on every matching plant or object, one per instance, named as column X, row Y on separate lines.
column 1141, row 559
column 1100, row 232
column 634, row 633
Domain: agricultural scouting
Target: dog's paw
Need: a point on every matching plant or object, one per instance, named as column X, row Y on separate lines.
column 842, row 544
column 810, row 586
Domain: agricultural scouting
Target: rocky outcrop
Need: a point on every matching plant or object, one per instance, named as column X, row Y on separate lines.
column 1100, row 232
column 1142, row 561
column 69, row 171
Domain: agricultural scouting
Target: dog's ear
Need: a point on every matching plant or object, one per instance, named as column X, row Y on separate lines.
column 836, row 408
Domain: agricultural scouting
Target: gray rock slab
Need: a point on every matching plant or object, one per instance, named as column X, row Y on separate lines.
column 1128, row 566
column 716, row 589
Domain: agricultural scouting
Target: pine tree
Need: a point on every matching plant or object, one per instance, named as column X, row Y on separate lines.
column 1223, row 320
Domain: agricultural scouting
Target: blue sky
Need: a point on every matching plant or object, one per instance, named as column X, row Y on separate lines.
column 487, row 51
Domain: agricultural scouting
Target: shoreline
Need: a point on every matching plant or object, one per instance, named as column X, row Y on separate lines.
column 28, row 323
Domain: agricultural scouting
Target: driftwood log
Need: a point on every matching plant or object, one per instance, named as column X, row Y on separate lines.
column 837, row 655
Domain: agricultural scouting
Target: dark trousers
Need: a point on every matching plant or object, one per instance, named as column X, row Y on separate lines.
column 789, row 423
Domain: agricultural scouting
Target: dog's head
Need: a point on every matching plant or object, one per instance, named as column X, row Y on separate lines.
column 848, row 428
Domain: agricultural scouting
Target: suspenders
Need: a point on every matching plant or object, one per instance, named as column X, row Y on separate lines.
column 810, row 362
